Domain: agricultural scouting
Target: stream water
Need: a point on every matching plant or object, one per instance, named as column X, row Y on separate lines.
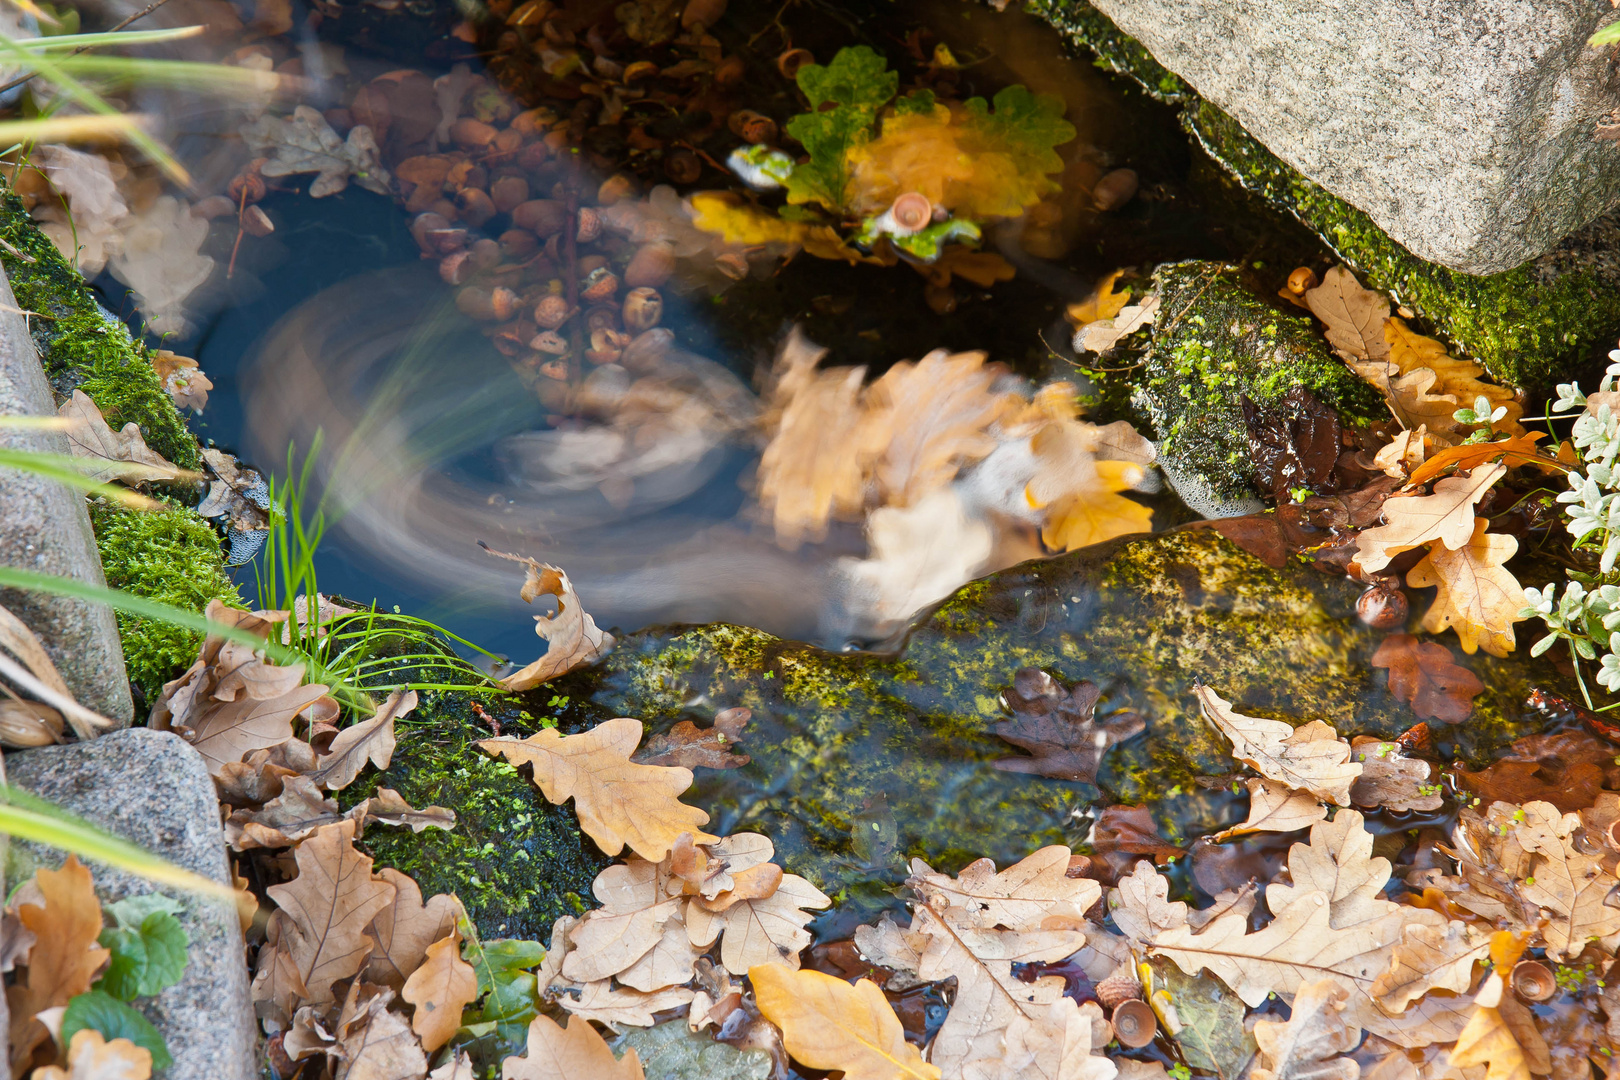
column 337, row 327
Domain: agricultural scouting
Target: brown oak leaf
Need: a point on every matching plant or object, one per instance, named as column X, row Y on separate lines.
column 690, row 746
column 1447, row 515
column 1478, row 596
column 568, row 1053
column 1311, row 1044
column 65, row 957
column 573, row 636
column 1426, row 675
column 1059, row 728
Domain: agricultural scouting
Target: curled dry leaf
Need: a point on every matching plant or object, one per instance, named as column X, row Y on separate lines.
column 1312, row 1043
column 619, row 803
column 572, row 635
column 1103, row 334
column 388, row 807
column 1478, row 596
column 1309, row 758
column 1414, row 520
column 568, row 1053
column 1425, row 675
column 1035, row 892
column 830, row 1024
column 690, row 746
column 370, row 740
column 1059, row 728
column 106, row 455
column 237, row 494
column 616, row 1005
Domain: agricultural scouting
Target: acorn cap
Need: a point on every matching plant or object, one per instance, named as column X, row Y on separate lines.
column 1532, row 981
column 1134, row 1023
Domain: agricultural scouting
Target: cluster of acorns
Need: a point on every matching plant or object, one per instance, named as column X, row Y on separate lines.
column 496, row 211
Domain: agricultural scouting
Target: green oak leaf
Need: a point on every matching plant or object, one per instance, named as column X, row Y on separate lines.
column 1025, row 125
column 858, row 76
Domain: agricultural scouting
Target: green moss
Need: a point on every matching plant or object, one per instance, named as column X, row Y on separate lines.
column 80, row 348
column 169, row 555
column 516, row 861
column 1215, row 343
column 1530, row 326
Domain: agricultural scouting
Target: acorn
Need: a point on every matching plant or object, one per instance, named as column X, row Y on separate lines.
column 602, row 317
column 606, row 346
column 791, row 61
column 426, row 229
column 1383, row 606
column 508, row 193
column 472, row 134
column 1117, row 989
column 456, row 267
column 533, row 156
column 912, row 211
column 648, row 349
column 256, row 222
column 551, row 312
column 599, row 285
column 752, row 127
column 1115, row 189
column 504, row 303
column 683, row 167
column 518, row 244
column 1134, row 1024
column 615, row 189
column 485, row 253
column 549, row 342
column 642, row 309
column 507, row 143
column 590, row 225
column 248, row 182
column 476, row 206
column 476, row 303
column 1302, row 281
column 1532, row 981
column 729, row 72
column 543, row 217
column 652, row 265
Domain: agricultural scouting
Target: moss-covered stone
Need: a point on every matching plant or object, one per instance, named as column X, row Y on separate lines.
column 516, row 861
column 842, row 741
column 1214, row 343
column 80, row 347
column 171, row 556
column 1530, row 326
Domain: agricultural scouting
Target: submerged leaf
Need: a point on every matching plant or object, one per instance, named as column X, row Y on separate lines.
column 1059, row 728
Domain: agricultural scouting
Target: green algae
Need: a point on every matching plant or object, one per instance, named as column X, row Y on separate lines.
column 81, row 348
column 1530, row 326
column 169, row 555
column 1215, row 342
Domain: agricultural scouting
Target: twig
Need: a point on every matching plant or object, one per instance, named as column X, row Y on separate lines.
column 141, row 14
column 576, row 354
column 24, row 256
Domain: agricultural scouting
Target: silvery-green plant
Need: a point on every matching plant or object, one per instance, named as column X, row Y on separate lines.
column 1587, row 614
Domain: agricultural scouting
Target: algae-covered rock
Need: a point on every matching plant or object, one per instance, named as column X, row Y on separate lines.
column 1530, row 326
column 516, row 861
column 842, row 743
column 671, row 1051
column 1215, row 342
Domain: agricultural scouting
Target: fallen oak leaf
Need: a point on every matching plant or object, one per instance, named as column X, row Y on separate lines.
column 1294, row 444
column 690, row 746
column 388, row 807
column 370, row 740
column 376, row 1044
column 1424, row 675
column 297, row 812
column 306, row 143
column 182, row 380
column 1447, row 515
column 1478, row 597
column 1131, row 830
column 91, row 1056
column 1311, row 1044
column 618, row 802
column 1429, row 958
column 1309, row 758
column 1059, row 729
column 1103, row 334
column 616, row 1005
column 568, row 1053
column 402, row 930
column 1352, row 316
column 106, row 455
column 765, row 931
column 1411, row 351
column 830, row 1024
column 1033, row 893
column 440, row 988
column 1390, row 780
column 1059, row 1042
column 1103, row 303
column 1275, row 807
column 572, row 635
column 1488, row 1041
column 66, row 924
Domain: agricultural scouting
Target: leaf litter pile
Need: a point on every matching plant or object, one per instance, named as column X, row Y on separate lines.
column 1474, row 945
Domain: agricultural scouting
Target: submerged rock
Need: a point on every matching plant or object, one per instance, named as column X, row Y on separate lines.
column 1530, row 326
column 860, row 760
column 1215, row 342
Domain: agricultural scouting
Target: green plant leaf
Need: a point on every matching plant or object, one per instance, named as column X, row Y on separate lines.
column 918, row 101
column 857, row 76
column 1606, row 36
column 148, row 947
column 1025, row 125
column 102, row 1012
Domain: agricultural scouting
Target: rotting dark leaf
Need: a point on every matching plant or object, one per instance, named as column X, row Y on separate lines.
column 1566, row 768
column 1131, row 830
column 690, row 746
column 1294, row 445
column 1059, row 728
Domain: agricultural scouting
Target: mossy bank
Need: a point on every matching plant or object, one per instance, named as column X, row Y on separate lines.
column 1530, row 326
column 848, row 746
column 172, row 555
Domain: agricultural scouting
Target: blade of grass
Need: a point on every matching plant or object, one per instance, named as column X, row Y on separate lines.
column 65, row 470
column 109, row 37
column 71, row 128
column 179, row 73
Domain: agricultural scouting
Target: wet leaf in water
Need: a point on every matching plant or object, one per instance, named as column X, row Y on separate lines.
column 1103, row 334
column 828, row 1023
column 1310, row 1045
column 939, row 410
column 1275, row 807
column 1390, row 780
column 306, row 143
column 1479, row 598
column 1059, row 728
column 1294, row 444
column 1206, row 1021
column 1310, row 758
column 1131, row 830
column 1459, row 379
column 692, row 747
column 182, row 380
column 1488, row 1041
column 1426, row 675
column 1447, row 515
column 440, row 988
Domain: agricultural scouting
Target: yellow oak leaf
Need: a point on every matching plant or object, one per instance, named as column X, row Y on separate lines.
column 1352, row 316
column 1447, row 515
column 1487, row 1041
column 1103, row 303
column 1078, row 486
column 1411, row 351
column 440, row 989
column 65, row 956
column 568, row 1053
column 1479, row 597
column 618, row 802
column 741, row 222
column 828, row 1024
